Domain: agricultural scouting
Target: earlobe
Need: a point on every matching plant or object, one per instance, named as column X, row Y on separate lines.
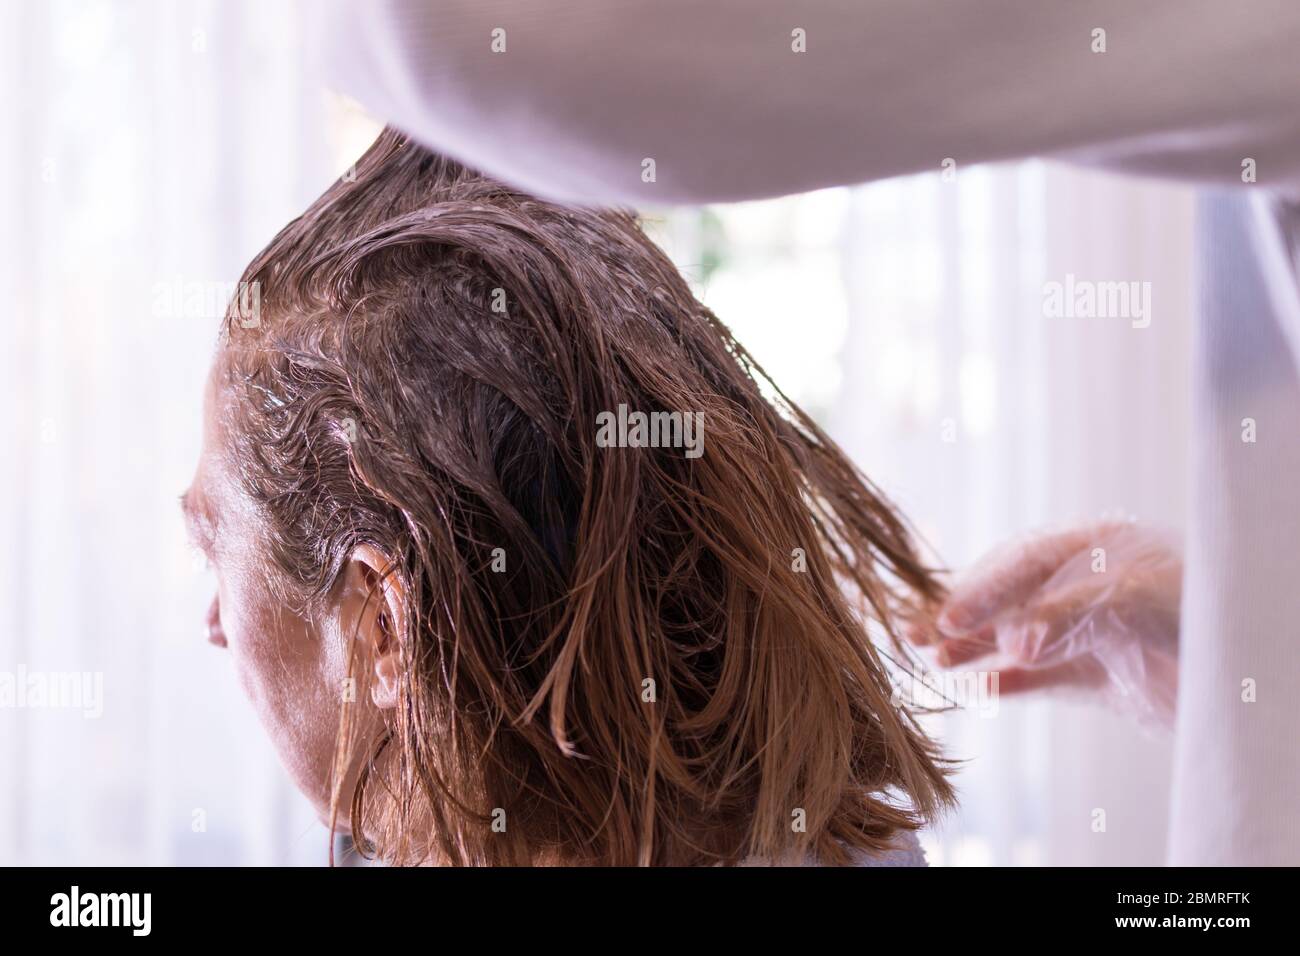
column 378, row 600
column 384, row 691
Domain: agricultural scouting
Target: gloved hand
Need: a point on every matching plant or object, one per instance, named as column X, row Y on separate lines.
column 1092, row 608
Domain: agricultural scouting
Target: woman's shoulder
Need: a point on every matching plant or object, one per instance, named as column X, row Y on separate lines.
column 907, row 851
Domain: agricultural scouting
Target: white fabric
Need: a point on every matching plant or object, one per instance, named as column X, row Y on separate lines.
column 1237, row 780
column 714, row 94
column 907, row 852
column 151, row 148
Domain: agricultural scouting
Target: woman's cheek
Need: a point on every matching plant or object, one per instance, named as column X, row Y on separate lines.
column 248, row 639
column 237, row 642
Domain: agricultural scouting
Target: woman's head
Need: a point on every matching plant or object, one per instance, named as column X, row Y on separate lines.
column 485, row 632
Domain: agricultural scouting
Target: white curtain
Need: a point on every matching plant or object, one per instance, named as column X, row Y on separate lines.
column 153, row 146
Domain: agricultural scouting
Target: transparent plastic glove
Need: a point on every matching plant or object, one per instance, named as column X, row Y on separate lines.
column 1093, row 608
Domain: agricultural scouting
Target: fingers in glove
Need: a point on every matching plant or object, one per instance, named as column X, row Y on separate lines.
column 1023, row 680
column 955, row 651
column 1010, row 576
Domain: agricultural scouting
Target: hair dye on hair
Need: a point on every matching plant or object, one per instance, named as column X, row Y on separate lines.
column 610, row 654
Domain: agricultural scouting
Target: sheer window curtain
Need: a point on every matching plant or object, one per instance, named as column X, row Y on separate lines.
column 151, row 148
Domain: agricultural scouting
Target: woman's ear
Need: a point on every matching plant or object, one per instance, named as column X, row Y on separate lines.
column 374, row 610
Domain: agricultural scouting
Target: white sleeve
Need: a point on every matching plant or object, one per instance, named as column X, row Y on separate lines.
column 569, row 98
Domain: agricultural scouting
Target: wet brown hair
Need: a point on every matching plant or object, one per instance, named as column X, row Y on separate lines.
column 638, row 656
